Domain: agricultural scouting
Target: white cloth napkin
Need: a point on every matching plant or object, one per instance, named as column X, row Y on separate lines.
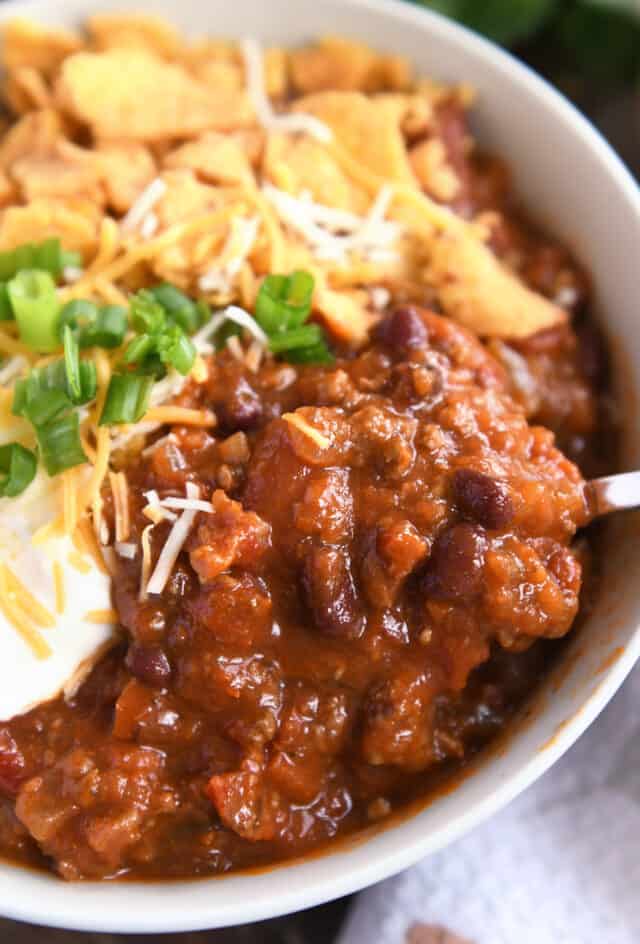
column 560, row 865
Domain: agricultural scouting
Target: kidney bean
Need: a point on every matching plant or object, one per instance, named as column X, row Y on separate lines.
column 241, row 409
column 454, row 570
column 592, row 354
column 331, row 593
column 482, row 498
column 404, row 329
column 149, row 664
column 12, row 764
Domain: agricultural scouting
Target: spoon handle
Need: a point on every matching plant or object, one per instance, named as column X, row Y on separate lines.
column 614, row 493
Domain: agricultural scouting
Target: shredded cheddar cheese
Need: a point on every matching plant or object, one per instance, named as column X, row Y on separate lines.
column 109, row 292
column 77, row 560
column 120, row 492
column 48, row 531
column 141, row 252
column 101, row 616
column 301, row 424
column 108, row 247
column 100, row 468
column 59, row 588
column 90, row 543
column 180, row 415
column 90, row 452
column 199, row 371
column 16, row 617
column 26, row 600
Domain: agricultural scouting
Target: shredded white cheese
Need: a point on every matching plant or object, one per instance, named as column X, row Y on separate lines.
column 268, row 118
column 156, row 514
column 155, row 509
column 149, row 225
column 143, row 206
column 253, row 357
column 195, row 504
column 124, row 549
column 72, row 274
column 239, row 244
column 380, row 297
column 145, row 569
column 120, row 440
column 232, row 313
column 235, row 348
column 169, row 438
column 173, row 545
column 332, row 233
column 14, row 366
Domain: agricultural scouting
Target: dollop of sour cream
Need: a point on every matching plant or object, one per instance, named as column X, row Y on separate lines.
column 76, row 640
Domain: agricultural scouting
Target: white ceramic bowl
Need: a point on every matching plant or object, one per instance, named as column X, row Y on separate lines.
column 575, row 186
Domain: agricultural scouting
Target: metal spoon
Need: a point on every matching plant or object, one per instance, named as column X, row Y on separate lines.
column 614, row 493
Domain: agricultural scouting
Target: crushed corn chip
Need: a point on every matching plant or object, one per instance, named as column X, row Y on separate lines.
column 356, row 122
column 26, row 43
column 25, row 89
column 138, row 31
column 475, row 289
column 129, row 93
column 47, row 219
column 298, row 164
column 217, row 158
column 341, row 64
column 34, row 135
column 128, row 167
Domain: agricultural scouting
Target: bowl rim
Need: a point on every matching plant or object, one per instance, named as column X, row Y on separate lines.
column 155, row 907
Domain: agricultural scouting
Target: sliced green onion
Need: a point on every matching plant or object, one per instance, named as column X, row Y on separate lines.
column 88, row 382
column 6, row 311
column 175, row 349
column 20, row 401
column 47, row 391
column 147, row 315
column 78, row 313
column 204, row 311
column 269, row 311
column 17, row 469
column 284, row 301
column 306, row 336
column 152, row 366
column 72, row 363
column 48, row 256
column 108, row 329
column 299, row 293
column 317, row 354
column 183, row 310
column 127, row 399
column 59, row 442
column 37, row 402
column 36, row 308
column 96, row 327
column 139, row 349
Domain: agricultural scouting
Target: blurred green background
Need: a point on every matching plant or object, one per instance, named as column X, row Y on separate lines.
column 590, row 49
